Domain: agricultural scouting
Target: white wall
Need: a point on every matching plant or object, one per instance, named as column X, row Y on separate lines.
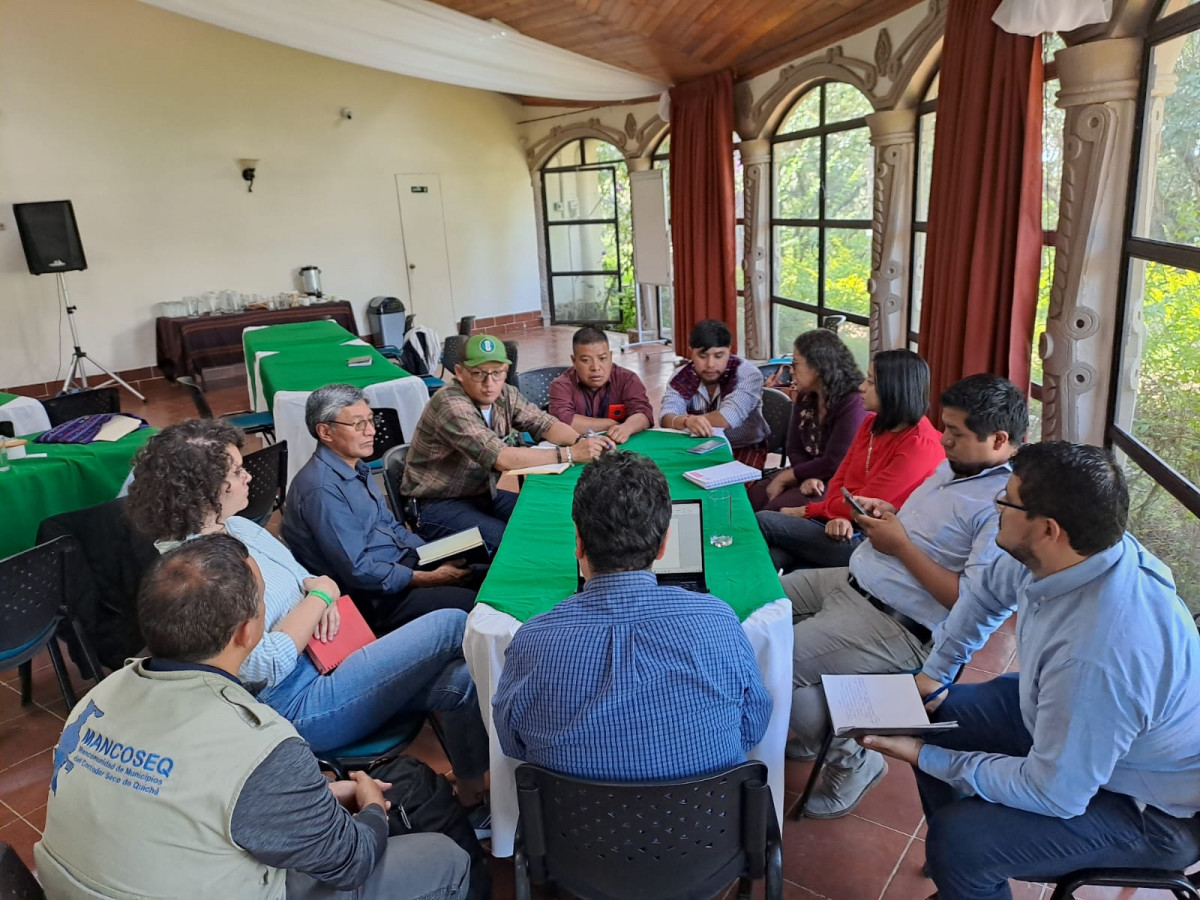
column 138, row 116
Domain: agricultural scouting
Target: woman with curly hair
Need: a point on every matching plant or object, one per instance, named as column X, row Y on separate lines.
column 895, row 449
column 826, row 412
column 189, row 481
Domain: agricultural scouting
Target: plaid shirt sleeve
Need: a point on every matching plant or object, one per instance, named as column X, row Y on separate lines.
column 462, row 427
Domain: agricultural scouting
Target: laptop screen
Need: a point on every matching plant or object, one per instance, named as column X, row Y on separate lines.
column 685, row 541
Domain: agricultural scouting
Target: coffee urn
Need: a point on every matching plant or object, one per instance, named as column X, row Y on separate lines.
column 310, row 280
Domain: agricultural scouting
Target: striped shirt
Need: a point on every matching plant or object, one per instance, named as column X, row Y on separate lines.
column 631, row 681
column 741, row 407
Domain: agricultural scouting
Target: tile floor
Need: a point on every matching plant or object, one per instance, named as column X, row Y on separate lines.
column 875, row 853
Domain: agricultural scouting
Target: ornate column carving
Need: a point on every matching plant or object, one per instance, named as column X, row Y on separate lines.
column 1098, row 91
column 893, row 135
column 756, row 243
column 539, row 224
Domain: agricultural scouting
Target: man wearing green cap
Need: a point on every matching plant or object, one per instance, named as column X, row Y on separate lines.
column 469, row 434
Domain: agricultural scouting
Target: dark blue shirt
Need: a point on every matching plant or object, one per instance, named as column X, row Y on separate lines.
column 630, row 681
column 336, row 523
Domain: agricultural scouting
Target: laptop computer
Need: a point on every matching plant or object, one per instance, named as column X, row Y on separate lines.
column 682, row 565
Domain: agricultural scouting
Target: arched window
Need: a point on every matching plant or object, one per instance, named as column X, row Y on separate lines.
column 926, row 120
column 664, row 296
column 1154, row 419
column 589, row 250
column 821, row 217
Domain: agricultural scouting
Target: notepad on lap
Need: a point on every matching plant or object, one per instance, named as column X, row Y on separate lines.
column 466, row 545
column 723, row 475
column 877, row 704
column 353, row 634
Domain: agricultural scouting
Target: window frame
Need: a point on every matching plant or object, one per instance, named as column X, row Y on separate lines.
column 924, row 108
column 820, row 310
column 1183, row 22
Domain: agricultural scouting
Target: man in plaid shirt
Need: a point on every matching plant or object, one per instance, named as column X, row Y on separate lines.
column 469, row 434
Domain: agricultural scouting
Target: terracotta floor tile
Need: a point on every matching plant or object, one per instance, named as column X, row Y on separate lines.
column 13, row 676
column 795, row 775
column 24, row 787
column 971, row 675
column 7, row 814
column 841, row 859
column 908, row 883
column 10, row 702
column 996, row 654
column 21, row 836
column 894, row 801
column 428, row 749
column 34, row 731
column 37, row 818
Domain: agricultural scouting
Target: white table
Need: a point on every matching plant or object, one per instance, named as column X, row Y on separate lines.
column 27, row 415
column 489, row 633
column 407, row 396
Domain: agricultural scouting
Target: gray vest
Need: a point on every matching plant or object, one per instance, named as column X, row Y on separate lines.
column 146, row 776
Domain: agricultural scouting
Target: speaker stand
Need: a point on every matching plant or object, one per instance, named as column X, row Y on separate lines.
column 77, row 375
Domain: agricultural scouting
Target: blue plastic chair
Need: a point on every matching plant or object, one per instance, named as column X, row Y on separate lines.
column 387, row 743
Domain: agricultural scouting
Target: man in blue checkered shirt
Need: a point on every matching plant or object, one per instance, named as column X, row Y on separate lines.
column 629, row 680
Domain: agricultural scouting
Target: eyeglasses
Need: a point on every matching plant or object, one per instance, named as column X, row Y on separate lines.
column 360, row 426
column 1001, row 504
column 479, row 376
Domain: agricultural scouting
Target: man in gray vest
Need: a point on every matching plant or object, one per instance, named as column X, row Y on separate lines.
column 171, row 780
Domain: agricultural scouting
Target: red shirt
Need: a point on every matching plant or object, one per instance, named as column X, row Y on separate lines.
column 886, row 466
column 569, row 399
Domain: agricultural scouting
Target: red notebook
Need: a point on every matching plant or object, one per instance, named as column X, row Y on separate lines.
column 353, row 634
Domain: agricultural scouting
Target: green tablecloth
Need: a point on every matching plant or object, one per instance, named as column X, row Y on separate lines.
column 308, row 367
column 535, row 567
column 71, row 477
column 277, row 338
column 6, row 398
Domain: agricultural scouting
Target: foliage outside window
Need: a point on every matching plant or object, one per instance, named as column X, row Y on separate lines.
column 589, row 234
column 821, row 217
column 1155, row 415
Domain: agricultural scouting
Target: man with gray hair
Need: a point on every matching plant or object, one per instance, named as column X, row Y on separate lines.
column 335, row 520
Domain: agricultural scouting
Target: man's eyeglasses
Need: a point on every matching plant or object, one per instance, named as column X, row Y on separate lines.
column 360, row 426
column 1001, row 504
column 479, row 376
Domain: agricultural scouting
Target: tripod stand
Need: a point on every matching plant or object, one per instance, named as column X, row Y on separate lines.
column 76, row 375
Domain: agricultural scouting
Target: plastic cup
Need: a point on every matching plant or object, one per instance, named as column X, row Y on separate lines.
column 719, row 516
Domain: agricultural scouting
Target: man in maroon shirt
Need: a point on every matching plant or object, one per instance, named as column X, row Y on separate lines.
column 596, row 396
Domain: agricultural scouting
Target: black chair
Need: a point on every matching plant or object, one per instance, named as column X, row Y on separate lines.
column 777, row 410
column 16, row 881
column 268, row 481
column 465, row 325
column 404, row 508
column 66, row 407
column 535, row 384
column 103, row 579
column 662, row 841
column 6, row 429
column 452, row 350
column 1184, row 887
column 511, row 348
column 388, row 434
column 388, row 742
column 250, row 422
column 33, row 587
column 833, row 323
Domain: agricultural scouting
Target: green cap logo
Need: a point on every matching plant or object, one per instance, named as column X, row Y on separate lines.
column 487, row 345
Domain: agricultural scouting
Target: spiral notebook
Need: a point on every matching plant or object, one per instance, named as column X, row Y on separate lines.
column 723, row 475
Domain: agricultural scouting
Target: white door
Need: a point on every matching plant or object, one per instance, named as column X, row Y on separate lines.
column 425, row 257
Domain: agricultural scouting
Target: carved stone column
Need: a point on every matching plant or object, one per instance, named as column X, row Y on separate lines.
column 893, row 135
column 1098, row 90
column 543, row 252
column 756, row 243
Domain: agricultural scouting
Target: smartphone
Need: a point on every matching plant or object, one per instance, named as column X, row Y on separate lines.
column 854, row 504
column 616, row 412
column 707, row 446
column 785, row 375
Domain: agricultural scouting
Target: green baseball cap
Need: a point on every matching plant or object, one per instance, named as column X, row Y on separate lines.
column 483, row 348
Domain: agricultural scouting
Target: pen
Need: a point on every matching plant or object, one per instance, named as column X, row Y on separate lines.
column 937, row 693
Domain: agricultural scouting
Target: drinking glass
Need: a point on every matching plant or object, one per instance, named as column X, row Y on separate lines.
column 719, row 518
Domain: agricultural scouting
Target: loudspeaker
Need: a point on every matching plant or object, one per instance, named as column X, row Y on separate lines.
column 50, row 237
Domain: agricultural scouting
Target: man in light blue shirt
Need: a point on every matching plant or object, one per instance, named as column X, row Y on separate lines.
column 876, row 616
column 1090, row 756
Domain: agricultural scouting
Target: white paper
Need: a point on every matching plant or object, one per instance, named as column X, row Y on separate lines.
column 876, row 704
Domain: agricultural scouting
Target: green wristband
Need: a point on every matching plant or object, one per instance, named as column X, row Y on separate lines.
column 324, row 596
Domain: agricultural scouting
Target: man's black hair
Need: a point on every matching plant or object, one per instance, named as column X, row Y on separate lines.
column 708, row 334
column 991, row 404
column 621, row 509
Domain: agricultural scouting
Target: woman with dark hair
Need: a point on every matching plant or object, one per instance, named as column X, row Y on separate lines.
column 826, row 412
column 895, row 449
column 189, row 481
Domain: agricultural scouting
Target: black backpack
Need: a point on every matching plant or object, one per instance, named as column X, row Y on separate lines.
column 423, row 801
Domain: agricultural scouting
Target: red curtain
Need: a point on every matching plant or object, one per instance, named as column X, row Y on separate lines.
column 702, row 216
column 985, row 224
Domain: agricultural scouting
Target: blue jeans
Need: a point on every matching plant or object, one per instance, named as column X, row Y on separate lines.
column 419, row 667
column 797, row 543
column 442, row 518
column 975, row 846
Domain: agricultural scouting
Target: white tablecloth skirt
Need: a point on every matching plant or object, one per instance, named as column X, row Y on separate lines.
column 27, row 415
column 487, row 638
column 407, row 396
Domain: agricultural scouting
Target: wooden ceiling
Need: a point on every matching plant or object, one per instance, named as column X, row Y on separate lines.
column 676, row 41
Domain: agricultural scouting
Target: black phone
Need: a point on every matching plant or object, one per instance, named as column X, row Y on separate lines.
column 854, row 504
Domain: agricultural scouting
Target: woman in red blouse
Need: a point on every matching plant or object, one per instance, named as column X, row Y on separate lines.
column 895, row 449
